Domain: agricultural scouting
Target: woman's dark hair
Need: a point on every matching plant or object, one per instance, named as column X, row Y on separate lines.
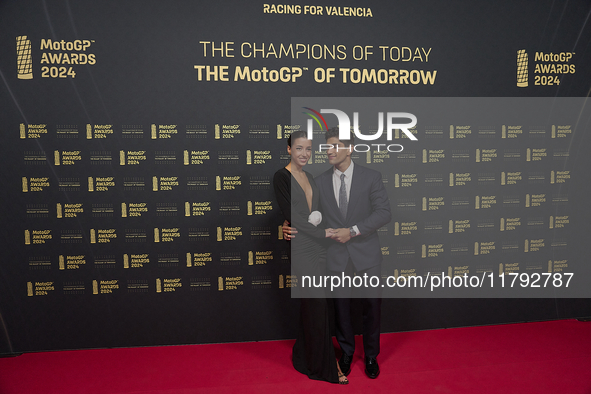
column 296, row 135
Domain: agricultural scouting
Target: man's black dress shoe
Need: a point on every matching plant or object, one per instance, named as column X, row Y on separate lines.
column 372, row 369
column 345, row 364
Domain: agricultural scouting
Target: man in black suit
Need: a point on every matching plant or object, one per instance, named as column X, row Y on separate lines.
column 355, row 203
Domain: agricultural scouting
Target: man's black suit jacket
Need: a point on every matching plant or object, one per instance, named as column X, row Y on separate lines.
column 368, row 208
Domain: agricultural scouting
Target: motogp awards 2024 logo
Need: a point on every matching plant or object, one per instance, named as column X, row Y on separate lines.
column 58, row 59
column 345, row 129
column 548, row 68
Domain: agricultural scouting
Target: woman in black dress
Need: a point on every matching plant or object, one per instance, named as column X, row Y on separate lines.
column 297, row 194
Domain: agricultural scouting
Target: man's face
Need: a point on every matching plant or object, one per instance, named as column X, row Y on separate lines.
column 338, row 156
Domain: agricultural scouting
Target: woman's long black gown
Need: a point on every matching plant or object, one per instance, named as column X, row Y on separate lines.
column 313, row 352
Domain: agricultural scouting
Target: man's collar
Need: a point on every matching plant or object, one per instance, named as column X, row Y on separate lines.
column 348, row 172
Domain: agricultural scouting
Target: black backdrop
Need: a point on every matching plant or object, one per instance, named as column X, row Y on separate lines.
column 127, row 123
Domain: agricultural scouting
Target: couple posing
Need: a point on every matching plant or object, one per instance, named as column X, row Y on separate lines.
column 354, row 204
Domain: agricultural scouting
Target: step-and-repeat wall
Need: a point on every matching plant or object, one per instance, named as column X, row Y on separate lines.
column 140, row 139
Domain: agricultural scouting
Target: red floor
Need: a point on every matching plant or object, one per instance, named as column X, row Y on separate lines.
column 548, row 357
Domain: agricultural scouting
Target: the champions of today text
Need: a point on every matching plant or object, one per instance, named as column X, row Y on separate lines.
column 415, row 57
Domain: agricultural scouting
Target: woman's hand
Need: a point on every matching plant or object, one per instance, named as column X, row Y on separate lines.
column 329, row 232
column 288, row 232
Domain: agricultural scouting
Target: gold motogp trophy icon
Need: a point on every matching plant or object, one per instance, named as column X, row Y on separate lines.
column 522, row 75
column 24, row 60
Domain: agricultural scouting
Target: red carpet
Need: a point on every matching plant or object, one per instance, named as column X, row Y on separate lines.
column 548, row 357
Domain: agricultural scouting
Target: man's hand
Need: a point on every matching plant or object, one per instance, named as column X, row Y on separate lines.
column 288, row 232
column 341, row 235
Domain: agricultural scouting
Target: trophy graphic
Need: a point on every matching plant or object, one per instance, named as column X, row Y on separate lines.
column 24, row 60
column 522, row 76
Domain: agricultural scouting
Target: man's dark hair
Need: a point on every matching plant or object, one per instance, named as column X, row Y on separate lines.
column 334, row 132
column 295, row 135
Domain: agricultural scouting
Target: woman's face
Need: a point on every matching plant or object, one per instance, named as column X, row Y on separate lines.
column 300, row 151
